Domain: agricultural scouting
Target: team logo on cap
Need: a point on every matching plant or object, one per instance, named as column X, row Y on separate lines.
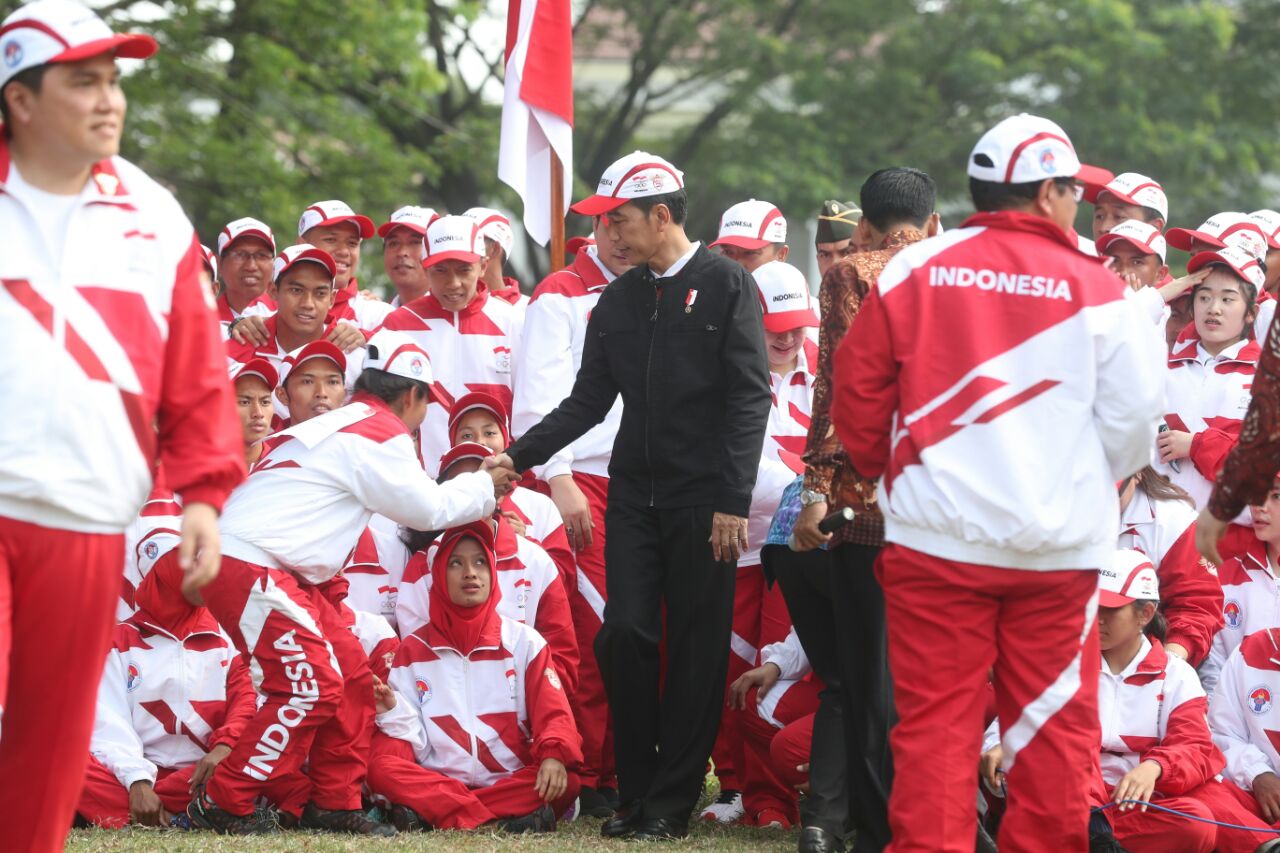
column 1260, row 700
column 1048, row 161
column 416, row 366
column 424, row 690
column 1233, row 615
column 12, row 53
column 132, row 678
column 151, row 549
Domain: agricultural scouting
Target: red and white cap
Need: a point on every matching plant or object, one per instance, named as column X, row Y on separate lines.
column 1129, row 578
column 1242, row 263
column 302, row 253
column 1269, row 222
column 245, row 227
column 1024, row 148
column 396, row 353
column 752, row 224
column 210, row 260
column 1142, row 235
column 480, row 400
column 463, row 450
column 574, row 245
column 637, row 175
column 495, row 226
column 1229, row 228
column 453, row 238
column 333, row 212
column 258, row 367
column 316, row 349
column 49, row 31
column 416, row 219
column 784, row 294
column 1132, row 188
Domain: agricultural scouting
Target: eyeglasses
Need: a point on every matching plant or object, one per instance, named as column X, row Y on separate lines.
column 240, row 256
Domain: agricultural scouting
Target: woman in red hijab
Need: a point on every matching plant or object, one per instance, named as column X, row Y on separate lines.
column 474, row 726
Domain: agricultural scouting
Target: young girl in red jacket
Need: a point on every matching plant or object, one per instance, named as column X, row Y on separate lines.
column 473, row 727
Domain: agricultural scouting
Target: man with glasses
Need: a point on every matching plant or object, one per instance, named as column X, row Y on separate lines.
column 246, row 250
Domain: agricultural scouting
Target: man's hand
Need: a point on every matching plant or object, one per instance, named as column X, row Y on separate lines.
column 1138, row 784
column 503, row 472
column 574, row 509
column 1266, row 790
column 346, row 337
column 762, row 678
column 728, row 537
column 806, row 534
column 145, row 807
column 200, row 552
column 989, row 769
column 1209, row 531
column 1179, row 286
column 250, row 330
column 1174, row 444
column 804, row 786
column 553, row 779
column 384, row 698
column 204, row 767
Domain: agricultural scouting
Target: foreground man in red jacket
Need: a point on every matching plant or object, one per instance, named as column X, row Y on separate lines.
column 999, row 382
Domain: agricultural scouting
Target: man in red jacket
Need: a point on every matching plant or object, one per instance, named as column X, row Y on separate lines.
column 115, row 364
column 998, row 381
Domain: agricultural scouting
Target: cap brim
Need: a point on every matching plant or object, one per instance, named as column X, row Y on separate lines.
column 1181, row 238
column 252, row 232
column 785, row 321
column 308, row 259
column 598, row 205
column 749, row 243
column 363, row 223
column 469, row 257
column 1093, row 175
column 1107, row 598
column 1107, row 240
column 387, row 227
column 123, row 45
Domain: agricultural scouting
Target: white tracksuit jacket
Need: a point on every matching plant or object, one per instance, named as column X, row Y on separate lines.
column 1244, row 715
column 1250, row 603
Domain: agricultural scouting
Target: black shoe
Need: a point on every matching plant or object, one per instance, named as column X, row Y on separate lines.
column 542, row 820
column 203, row 814
column 1105, row 843
column 661, row 829
column 352, row 822
column 624, row 823
column 592, row 803
column 405, row 819
column 815, row 839
column 611, row 796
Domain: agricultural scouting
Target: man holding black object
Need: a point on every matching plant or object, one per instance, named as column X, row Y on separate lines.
column 680, row 338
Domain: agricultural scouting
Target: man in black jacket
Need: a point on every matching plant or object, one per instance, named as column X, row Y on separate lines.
column 680, row 337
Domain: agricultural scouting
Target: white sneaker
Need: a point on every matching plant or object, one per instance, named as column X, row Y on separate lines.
column 727, row 808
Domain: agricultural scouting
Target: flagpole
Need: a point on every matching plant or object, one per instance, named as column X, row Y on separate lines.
column 557, row 212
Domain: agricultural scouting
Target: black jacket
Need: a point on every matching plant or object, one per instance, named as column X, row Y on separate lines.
column 687, row 354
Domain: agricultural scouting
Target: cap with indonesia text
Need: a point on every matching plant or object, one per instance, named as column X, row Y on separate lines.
column 638, row 175
column 784, row 294
column 495, row 226
column 1238, row 260
column 1132, row 188
column 316, row 349
column 1129, row 578
column 453, row 238
column 1025, row 149
column 1269, row 222
column 303, row 253
column 1143, row 236
column 752, row 225
column 55, row 31
column 333, row 212
column 1229, row 228
column 416, row 219
column 245, row 227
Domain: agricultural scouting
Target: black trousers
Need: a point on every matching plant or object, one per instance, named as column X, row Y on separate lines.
column 663, row 732
column 805, row 579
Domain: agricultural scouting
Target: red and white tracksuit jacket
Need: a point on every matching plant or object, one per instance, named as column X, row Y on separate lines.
column 264, row 306
column 998, row 449
column 165, row 701
column 1244, row 715
column 374, row 572
column 556, row 321
column 511, row 293
column 119, row 346
column 793, row 665
column 532, row 594
column 273, row 352
column 1190, row 595
column 544, row 526
column 156, row 531
column 479, row 718
column 337, row 470
column 1207, row 397
column 1250, row 603
column 378, row 639
column 367, row 313
column 471, row 350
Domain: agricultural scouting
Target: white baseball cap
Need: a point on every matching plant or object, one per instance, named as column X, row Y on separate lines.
column 396, row 353
column 1132, row 188
column 245, row 227
column 453, row 238
column 637, row 175
column 752, row 224
column 49, row 31
column 784, row 294
column 1229, row 228
column 1269, row 222
column 495, row 226
column 1129, row 578
column 1241, row 262
column 1143, row 235
column 300, row 254
column 210, row 260
column 416, row 219
column 333, row 212
column 1024, row 148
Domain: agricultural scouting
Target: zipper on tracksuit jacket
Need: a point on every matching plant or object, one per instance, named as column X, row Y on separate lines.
column 648, row 388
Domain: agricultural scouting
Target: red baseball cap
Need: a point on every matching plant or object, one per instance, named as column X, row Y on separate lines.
column 784, row 294
column 55, row 31
column 1237, row 259
column 315, row 349
column 637, row 175
column 1131, row 188
column 1222, row 229
column 480, row 400
column 303, row 253
column 1130, row 578
column 463, row 450
column 1142, row 235
column 574, row 245
column 258, row 367
column 245, row 227
column 333, row 212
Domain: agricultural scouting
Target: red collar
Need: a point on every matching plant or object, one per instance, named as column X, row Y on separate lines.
column 510, row 293
column 589, row 271
column 1016, row 220
column 428, row 307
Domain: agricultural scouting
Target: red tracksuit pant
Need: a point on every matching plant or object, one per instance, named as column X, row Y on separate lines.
column 948, row 624
column 105, row 802
column 58, row 593
column 764, row 787
column 446, row 803
column 316, row 682
column 586, row 602
column 790, row 749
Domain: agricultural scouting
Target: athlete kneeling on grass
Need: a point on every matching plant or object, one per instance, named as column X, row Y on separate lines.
column 474, row 726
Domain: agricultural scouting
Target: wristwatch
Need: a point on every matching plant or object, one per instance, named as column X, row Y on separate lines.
column 808, row 497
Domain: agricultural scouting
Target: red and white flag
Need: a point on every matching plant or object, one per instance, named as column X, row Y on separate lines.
column 537, row 107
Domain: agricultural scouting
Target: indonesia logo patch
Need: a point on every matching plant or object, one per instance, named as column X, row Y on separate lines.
column 1047, row 161
column 1260, row 699
column 151, row 549
column 416, row 366
column 133, row 677
column 12, row 53
column 1233, row 614
column 423, row 687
